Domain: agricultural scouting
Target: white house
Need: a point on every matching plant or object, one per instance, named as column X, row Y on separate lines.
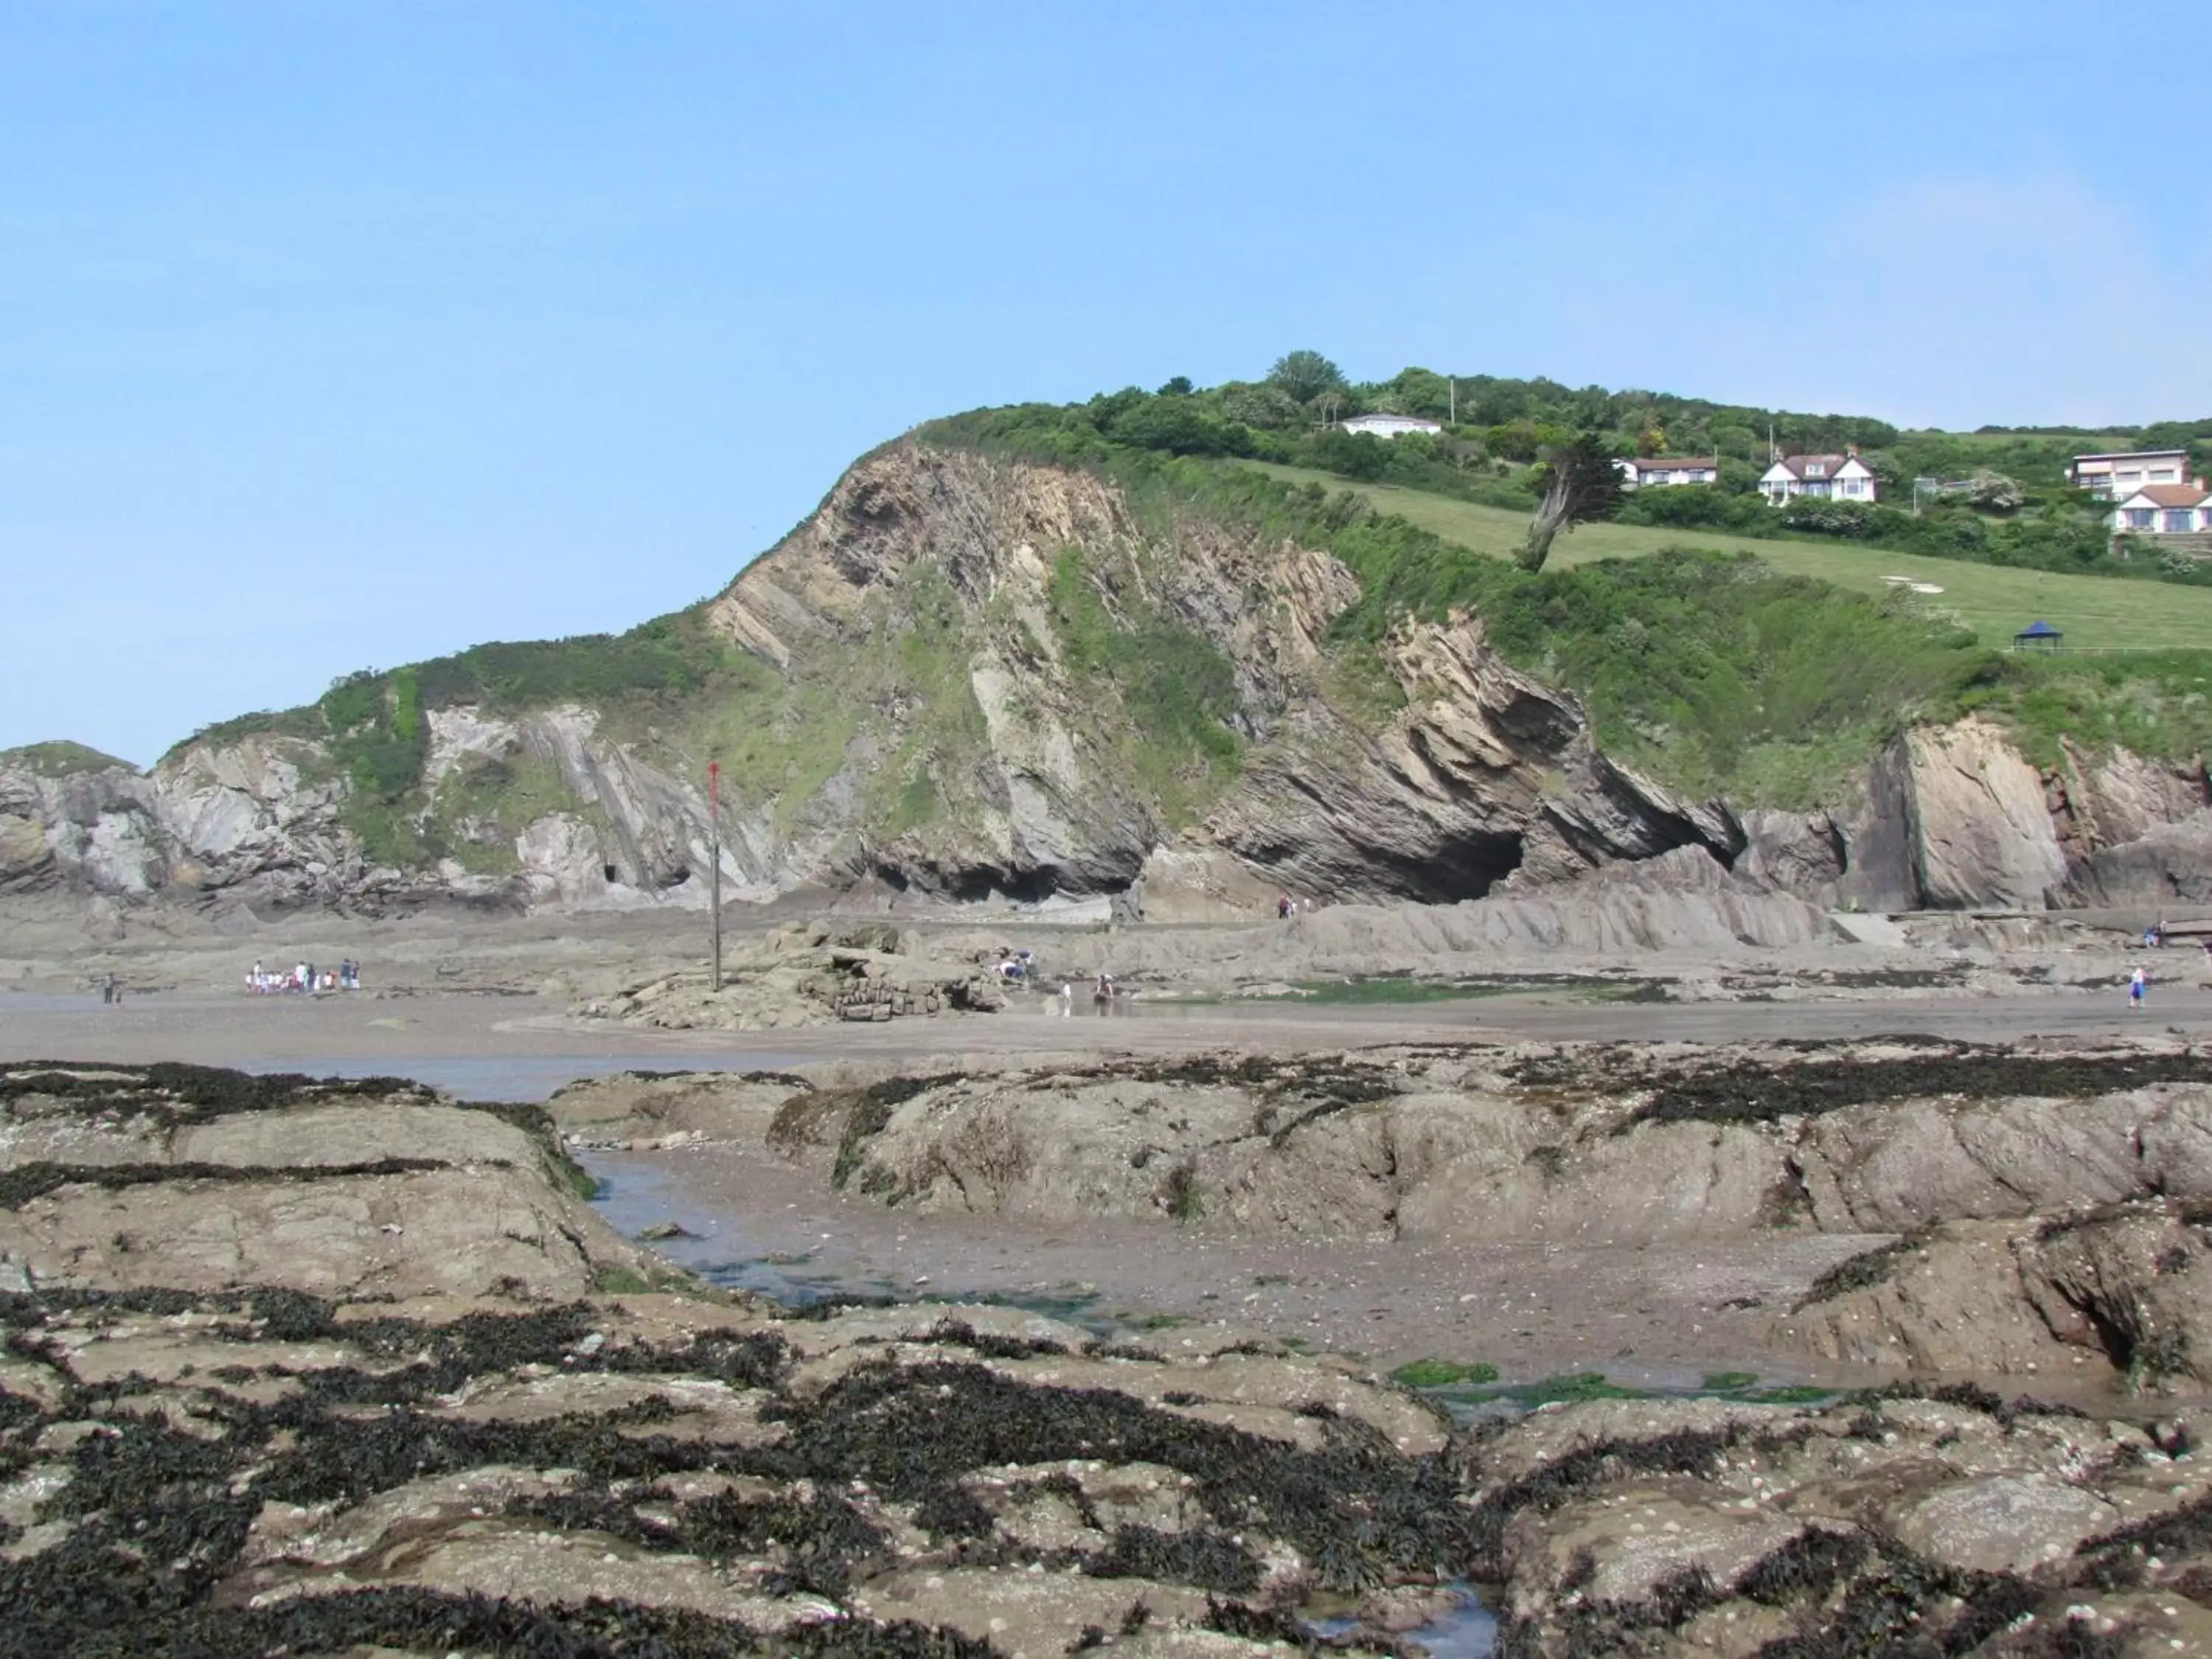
column 2164, row 509
column 1388, row 426
column 1845, row 476
column 2125, row 471
column 1652, row 471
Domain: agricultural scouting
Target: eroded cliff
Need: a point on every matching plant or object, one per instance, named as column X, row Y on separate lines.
column 966, row 676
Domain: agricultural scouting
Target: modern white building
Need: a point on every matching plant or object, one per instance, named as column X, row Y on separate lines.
column 2164, row 509
column 1845, row 476
column 1388, row 426
column 2124, row 472
column 1656, row 472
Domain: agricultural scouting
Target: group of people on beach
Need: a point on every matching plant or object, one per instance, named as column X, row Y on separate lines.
column 304, row 978
column 2158, row 936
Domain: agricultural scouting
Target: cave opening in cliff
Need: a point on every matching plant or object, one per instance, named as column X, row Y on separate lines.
column 1465, row 866
column 1022, row 886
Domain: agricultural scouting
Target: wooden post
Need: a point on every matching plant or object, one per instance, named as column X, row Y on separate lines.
column 715, row 843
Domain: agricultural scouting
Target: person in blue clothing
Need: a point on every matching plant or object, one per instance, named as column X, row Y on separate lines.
column 2138, row 984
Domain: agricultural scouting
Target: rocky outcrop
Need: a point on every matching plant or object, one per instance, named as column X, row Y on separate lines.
column 1906, row 1524
column 112, row 1178
column 2027, row 1184
column 403, row 1455
column 2122, row 1286
column 1981, row 832
column 1956, row 818
column 1487, row 774
column 96, row 828
column 397, row 1460
column 813, row 975
column 1468, row 1146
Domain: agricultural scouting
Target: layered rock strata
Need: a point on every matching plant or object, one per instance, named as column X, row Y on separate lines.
column 2057, row 1198
column 928, row 702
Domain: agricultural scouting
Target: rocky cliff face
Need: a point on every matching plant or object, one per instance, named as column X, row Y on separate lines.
column 965, row 676
column 973, row 677
column 1956, row 818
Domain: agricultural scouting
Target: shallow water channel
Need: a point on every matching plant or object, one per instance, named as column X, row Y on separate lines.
column 754, row 1254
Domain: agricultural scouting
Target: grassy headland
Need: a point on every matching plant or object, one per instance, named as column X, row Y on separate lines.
column 1770, row 671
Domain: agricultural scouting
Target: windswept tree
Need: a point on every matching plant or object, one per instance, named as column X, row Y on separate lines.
column 1580, row 483
column 1305, row 376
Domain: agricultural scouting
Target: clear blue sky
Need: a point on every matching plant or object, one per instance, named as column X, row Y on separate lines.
column 340, row 334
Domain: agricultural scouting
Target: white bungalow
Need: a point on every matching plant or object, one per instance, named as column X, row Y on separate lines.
column 1845, row 476
column 1655, row 471
column 1388, row 426
column 2183, row 509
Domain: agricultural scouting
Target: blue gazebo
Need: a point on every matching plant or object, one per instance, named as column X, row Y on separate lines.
column 2037, row 635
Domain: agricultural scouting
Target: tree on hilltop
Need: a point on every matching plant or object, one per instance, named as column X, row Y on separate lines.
column 1305, row 376
column 1581, row 484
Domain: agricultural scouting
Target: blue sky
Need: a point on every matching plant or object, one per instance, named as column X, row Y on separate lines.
column 337, row 336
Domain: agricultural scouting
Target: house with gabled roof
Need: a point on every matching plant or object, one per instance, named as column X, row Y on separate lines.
column 1843, row 477
column 1655, row 471
column 2164, row 509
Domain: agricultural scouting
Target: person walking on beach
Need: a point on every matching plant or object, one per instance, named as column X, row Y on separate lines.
column 2138, row 984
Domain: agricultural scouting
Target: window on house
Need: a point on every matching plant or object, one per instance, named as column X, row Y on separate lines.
column 2139, row 518
column 2163, row 475
column 1850, row 486
column 2178, row 522
column 1815, row 470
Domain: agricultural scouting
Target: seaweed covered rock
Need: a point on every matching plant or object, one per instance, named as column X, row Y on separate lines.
column 1893, row 1523
column 661, row 1469
column 2124, row 1286
column 455, row 1450
column 186, row 1177
column 1585, row 1144
column 249, row 1469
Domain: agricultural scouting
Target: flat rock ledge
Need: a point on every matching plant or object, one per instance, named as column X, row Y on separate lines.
column 409, row 1463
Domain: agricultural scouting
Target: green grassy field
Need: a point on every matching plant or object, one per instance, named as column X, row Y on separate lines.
column 1993, row 600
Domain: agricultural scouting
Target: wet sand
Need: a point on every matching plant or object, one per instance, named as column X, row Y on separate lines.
column 1655, row 1316
column 523, row 1042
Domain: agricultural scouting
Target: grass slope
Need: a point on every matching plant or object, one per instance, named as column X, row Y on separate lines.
column 1994, row 601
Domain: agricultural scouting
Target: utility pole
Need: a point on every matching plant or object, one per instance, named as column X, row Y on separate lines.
column 714, row 842
column 1451, row 381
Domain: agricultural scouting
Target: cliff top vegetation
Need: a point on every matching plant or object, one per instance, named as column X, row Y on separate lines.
column 2012, row 506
